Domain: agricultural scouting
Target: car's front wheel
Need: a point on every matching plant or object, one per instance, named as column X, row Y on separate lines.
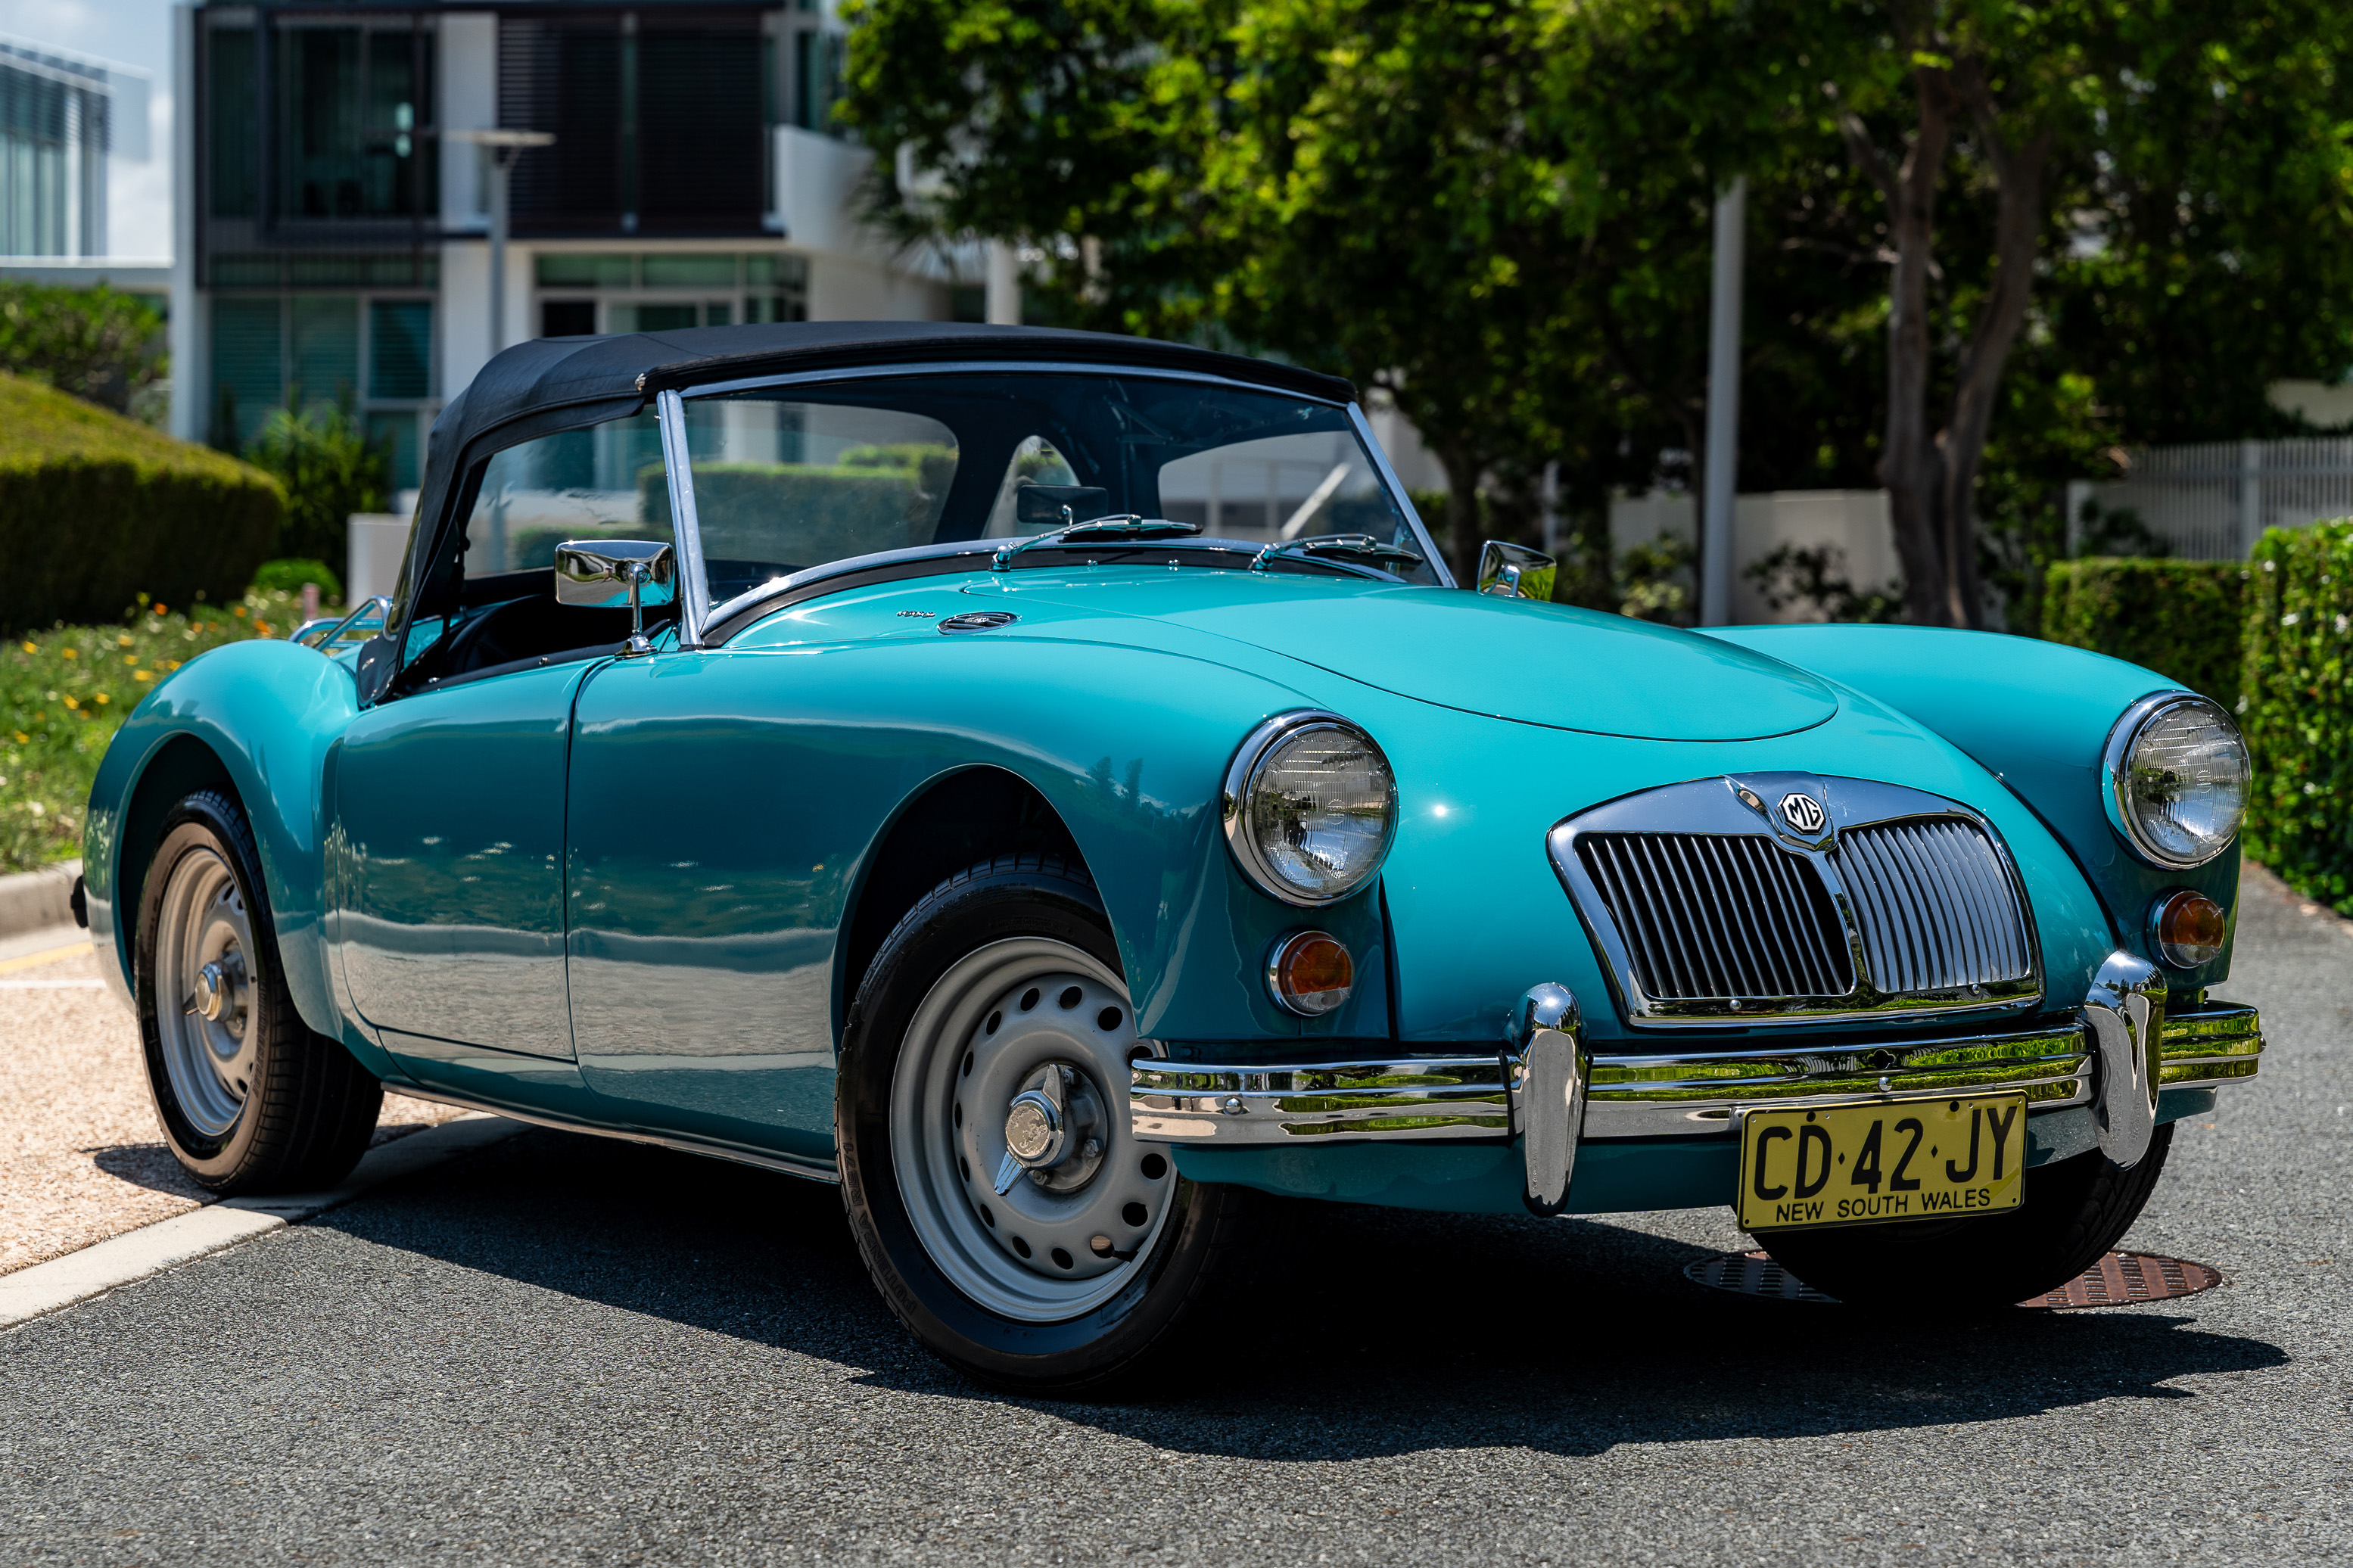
column 251, row 1099
column 2073, row 1210
column 1005, row 1213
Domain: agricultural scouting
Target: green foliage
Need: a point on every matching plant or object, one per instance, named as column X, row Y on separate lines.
column 65, row 691
column 1654, row 580
column 2180, row 618
column 1815, row 577
column 887, row 498
column 96, row 508
column 2297, row 708
column 96, row 343
column 330, row 469
column 288, row 576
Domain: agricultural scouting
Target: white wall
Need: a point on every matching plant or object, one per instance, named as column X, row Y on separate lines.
column 469, row 57
column 463, row 313
column 1856, row 521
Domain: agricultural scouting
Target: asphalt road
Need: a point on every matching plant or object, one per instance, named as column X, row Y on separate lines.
column 574, row 1351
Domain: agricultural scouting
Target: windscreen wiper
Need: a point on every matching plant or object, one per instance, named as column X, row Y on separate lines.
column 1095, row 531
column 1361, row 547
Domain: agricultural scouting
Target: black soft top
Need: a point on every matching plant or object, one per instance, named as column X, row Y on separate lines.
column 552, row 383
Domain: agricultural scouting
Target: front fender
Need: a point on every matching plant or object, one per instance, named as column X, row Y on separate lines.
column 266, row 714
column 2035, row 714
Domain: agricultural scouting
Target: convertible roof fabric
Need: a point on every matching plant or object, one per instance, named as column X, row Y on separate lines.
column 554, row 370
column 603, row 378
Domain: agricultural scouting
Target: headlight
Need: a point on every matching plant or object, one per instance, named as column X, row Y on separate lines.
column 1310, row 808
column 2176, row 779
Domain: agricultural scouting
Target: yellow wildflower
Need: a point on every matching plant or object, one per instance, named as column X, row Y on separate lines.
column 141, row 675
column 69, row 653
column 103, row 697
column 73, row 701
column 122, row 642
column 238, row 611
column 32, row 647
column 132, row 659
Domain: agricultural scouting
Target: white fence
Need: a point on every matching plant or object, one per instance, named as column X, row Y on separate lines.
column 2213, row 501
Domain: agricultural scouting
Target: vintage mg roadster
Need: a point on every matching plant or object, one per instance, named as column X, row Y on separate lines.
column 1050, row 786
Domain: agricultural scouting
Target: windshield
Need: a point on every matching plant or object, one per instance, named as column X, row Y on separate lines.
column 790, row 478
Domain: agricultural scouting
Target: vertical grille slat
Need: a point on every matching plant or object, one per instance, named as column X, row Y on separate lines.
column 1736, row 917
column 1713, row 917
column 1938, row 911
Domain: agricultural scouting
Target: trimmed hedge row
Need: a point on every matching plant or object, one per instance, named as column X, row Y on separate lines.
column 96, row 510
column 2297, row 711
column 2180, row 618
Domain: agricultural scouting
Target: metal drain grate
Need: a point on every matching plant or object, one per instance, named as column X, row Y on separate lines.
column 2115, row 1279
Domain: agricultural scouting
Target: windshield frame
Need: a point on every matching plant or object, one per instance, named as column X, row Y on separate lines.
column 714, row 623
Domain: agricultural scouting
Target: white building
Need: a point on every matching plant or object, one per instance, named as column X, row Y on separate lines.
column 74, row 141
column 333, row 233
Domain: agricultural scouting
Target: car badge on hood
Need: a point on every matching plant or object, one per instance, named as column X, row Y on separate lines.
column 1803, row 812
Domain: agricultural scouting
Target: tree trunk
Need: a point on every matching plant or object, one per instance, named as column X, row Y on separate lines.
column 1463, row 537
column 2018, row 225
column 1911, row 462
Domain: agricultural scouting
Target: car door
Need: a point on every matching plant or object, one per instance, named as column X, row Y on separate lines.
column 449, row 792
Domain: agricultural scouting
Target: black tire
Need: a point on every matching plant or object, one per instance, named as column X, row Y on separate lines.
column 304, row 1110
column 1210, row 1235
column 2074, row 1210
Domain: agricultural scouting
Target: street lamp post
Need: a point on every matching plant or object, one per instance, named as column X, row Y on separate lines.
column 503, row 148
column 1720, row 473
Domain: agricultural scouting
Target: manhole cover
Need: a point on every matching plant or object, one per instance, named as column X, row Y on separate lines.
column 2115, row 1280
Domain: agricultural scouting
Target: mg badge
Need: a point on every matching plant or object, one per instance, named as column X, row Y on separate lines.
column 1804, row 813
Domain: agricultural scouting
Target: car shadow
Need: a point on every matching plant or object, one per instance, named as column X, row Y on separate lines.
column 1389, row 1332
column 154, row 1167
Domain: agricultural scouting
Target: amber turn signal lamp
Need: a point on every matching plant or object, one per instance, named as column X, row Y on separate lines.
column 1310, row 972
column 2190, row 928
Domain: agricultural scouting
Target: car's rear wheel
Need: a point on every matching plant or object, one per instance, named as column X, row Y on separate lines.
column 251, row 1099
column 2073, row 1210
column 1004, row 1210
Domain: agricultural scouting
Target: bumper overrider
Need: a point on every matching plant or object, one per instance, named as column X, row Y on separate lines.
column 1544, row 1086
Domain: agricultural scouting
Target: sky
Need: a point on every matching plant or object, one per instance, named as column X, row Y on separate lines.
column 133, row 32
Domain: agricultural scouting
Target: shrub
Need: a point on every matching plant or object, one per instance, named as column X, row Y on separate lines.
column 95, row 344
column 288, row 576
column 2297, row 708
column 97, row 509
column 330, row 470
column 2180, row 618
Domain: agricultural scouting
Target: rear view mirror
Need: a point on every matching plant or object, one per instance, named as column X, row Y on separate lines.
column 1515, row 571
column 1052, row 506
column 606, row 574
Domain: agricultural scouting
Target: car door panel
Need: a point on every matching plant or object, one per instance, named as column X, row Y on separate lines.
column 450, row 805
column 705, row 885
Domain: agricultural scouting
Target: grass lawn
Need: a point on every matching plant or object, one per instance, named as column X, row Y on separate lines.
column 64, row 692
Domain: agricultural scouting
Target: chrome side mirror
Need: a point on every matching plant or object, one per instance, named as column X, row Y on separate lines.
column 606, row 574
column 1514, row 571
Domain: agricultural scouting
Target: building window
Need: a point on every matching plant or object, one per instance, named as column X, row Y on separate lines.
column 53, row 144
column 373, row 354
column 661, row 291
column 355, row 108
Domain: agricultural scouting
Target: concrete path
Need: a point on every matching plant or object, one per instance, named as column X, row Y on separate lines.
column 571, row 1351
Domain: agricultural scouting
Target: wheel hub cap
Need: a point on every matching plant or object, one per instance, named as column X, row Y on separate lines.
column 1034, row 1133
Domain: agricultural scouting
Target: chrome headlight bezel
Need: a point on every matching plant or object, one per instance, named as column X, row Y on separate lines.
column 2116, row 777
column 1243, row 776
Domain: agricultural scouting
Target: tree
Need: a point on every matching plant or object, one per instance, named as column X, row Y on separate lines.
column 99, row 345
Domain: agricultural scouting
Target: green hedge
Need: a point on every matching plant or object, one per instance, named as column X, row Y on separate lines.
column 799, row 515
column 96, row 510
column 2180, row 618
column 2297, row 711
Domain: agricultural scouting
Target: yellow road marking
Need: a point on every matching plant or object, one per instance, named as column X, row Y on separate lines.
column 47, row 955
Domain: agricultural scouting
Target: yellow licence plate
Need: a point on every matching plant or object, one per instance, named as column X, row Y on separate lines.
column 1854, row 1164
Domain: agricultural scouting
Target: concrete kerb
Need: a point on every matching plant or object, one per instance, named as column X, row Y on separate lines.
column 150, row 1250
column 30, row 901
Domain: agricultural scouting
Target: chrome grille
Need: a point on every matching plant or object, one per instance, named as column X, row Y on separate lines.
column 1719, row 916
column 1935, row 908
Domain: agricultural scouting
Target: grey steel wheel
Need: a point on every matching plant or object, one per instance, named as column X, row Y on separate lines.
column 205, row 1015
column 1008, row 1131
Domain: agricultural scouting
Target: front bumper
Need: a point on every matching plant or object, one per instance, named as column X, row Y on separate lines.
column 1544, row 1086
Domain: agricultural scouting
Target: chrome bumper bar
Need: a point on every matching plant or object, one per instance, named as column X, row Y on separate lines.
column 1546, row 1085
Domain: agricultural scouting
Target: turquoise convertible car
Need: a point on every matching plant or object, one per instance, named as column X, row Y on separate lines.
column 1050, row 786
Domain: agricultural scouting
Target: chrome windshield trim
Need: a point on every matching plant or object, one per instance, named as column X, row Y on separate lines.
column 694, row 610
column 1432, row 555
column 1735, row 806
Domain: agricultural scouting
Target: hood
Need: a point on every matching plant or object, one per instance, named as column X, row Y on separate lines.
column 1507, row 659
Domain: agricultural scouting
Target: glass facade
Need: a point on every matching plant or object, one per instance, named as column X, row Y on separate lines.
column 354, row 106
column 583, row 293
column 373, row 354
column 53, row 141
